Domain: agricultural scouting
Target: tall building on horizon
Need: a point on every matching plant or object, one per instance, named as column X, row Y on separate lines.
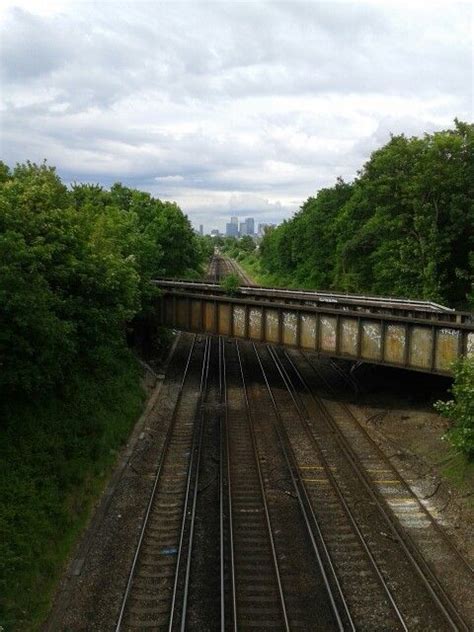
column 201, row 229
column 250, row 226
column 232, row 228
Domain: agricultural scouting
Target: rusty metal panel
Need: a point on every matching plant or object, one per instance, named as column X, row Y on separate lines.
column 308, row 331
column 239, row 321
column 447, row 346
column 196, row 307
column 271, row 325
column 209, row 316
column 169, row 315
column 224, row 318
column 328, row 326
column 349, row 328
column 395, row 341
column 182, row 313
column 421, row 347
column 289, row 328
column 371, row 348
column 255, row 323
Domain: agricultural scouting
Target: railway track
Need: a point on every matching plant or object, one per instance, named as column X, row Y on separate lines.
column 260, row 518
column 280, row 579
column 408, row 524
column 221, row 266
column 149, row 600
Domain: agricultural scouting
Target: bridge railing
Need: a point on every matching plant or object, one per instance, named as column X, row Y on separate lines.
column 374, row 304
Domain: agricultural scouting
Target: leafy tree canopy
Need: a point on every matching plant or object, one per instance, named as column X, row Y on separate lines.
column 75, row 266
column 404, row 227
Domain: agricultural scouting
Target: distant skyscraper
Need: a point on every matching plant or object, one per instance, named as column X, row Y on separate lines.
column 243, row 229
column 250, row 226
column 234, row 220
column 232, row 229
column 201, row 229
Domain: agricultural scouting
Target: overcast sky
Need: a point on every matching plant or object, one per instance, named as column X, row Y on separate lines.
column 242, row 108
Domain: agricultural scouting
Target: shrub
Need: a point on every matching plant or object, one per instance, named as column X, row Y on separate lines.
column 231, row 284
column 460, row 409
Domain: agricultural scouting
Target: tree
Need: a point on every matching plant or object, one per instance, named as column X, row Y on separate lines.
column 75, row 267
column 404, row 227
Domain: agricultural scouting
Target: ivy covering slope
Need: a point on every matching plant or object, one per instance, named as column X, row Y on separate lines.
column 404, row 227
column 75, row 266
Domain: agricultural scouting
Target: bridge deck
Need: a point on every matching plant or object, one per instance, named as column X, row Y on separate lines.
column 411, row 334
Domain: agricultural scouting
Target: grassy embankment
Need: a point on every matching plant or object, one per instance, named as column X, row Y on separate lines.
column 55, row 457
column 251, row 264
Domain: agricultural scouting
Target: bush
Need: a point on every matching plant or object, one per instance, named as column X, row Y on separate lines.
column 231, row 284
column 460, row 410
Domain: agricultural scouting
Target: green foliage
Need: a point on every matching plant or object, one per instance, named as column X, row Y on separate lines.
column 206, row 247
column 231, row 284
column 238, row 248
column 55, row 452
column 404, row 227
column 75, row 266
column 460, row 410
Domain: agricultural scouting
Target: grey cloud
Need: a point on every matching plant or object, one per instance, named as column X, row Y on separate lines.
column 29, row 48
column 209, row 102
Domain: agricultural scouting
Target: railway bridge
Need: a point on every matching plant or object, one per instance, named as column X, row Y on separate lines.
column 417, row 335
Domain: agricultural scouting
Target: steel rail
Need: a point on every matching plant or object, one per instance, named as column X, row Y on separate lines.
column 301, row 409
column 397, row 475
column 427, row 575
column 237, row 269
column 153, row 490
column 193, row 466
column 221, row 494
column 262, row 492
column 225, row 456
column 299, row 487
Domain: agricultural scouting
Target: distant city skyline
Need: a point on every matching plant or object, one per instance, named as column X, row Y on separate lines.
column 242, row 225
column 237, row 228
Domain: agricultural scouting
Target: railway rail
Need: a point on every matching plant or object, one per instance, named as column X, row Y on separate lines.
column 221, row 266
column 423, row 538
column 270, row 511
column 146, row 601
column 406, row 553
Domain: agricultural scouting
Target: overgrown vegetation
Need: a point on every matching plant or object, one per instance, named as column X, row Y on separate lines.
column 55, row 454
column 460, row 409
column 230, row 283
column 404, row 227
column 238, row 248
column 75, row 266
